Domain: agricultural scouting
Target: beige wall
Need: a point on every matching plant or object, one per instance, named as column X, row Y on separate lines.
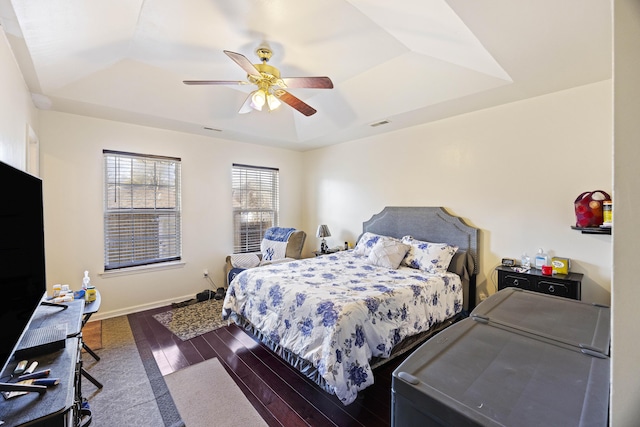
column 513, row 171
column 502, row 176
column 17, row 112
column 625, row 347
column 71, row 156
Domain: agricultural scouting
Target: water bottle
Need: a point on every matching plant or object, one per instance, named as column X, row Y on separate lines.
column 525, row 261
column 541, row 259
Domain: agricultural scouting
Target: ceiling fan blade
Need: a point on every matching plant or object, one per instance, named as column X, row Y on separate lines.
column 308, row 82
column 294, row 102
column 215, row 82
column 243, row 62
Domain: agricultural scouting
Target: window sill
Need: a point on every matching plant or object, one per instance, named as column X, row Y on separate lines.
column 142, row 269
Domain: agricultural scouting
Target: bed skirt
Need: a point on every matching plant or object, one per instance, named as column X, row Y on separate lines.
column 307, row 369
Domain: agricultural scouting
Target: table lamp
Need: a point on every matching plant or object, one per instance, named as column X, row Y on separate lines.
column 323, row 231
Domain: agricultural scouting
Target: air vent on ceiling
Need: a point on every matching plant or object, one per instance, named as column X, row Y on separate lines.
column 212, row 129
column 380, row 123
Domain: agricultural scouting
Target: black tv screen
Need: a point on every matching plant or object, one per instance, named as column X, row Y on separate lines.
column 22, row 265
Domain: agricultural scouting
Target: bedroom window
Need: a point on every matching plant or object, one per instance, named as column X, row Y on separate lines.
column 255, row 205
column 142, row 218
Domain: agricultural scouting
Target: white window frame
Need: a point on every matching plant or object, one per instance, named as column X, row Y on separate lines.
column 256, row 205
column 142, row 210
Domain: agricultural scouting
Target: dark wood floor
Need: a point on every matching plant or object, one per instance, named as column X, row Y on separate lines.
column 281, row 395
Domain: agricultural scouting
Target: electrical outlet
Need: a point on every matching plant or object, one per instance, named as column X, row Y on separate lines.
column 205, row 273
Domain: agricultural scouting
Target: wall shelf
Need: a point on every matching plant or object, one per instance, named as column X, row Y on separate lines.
column 592, row 230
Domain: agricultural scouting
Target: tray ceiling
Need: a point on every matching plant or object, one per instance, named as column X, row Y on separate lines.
column 405, row 62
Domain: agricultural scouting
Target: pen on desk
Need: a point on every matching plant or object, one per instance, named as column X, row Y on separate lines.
column 46, row 381
column 34, row 375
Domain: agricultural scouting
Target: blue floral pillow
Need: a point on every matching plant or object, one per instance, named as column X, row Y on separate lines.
column 366, row 243
column 429, row 257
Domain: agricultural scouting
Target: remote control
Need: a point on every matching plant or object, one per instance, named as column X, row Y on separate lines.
column 22, row 365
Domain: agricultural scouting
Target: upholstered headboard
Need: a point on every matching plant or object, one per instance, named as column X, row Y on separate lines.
column 432, row 224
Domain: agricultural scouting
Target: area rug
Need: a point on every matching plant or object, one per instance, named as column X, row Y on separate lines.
column 206, row 395
column 134, row 391
column 192, row 320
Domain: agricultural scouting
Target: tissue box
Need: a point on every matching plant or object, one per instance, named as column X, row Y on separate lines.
column 560, row 265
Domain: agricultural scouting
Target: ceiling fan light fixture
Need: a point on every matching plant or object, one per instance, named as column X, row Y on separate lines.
column 258, row 99
column 271, row 87
column 272, row 102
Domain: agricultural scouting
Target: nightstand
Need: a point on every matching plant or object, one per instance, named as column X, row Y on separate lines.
column 320, row 253
column 562, row 285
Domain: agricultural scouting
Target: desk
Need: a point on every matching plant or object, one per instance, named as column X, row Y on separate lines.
column 89, row 309
column 74, row 317
column 54, row 315
column 56, row 406
column 59, row 406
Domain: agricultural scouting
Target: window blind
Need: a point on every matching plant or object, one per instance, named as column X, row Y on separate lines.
column 142, row 218
column 255, row 193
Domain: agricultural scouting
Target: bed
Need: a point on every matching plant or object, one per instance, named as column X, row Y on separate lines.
column 336, row 317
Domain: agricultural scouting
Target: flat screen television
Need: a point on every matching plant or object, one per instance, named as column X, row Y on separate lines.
column 22, row 265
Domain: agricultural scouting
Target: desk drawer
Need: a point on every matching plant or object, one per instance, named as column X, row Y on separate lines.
column 555, row 288
column 561, row 285
column 512, row 281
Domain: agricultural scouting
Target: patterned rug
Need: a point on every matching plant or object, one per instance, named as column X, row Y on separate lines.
column 194, row 319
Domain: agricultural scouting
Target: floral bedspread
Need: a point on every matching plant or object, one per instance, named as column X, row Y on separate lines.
column 337, row 311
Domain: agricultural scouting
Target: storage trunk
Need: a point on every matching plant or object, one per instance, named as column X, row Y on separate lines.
column 521, row 359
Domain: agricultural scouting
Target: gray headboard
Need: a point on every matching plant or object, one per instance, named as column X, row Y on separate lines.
column 431, row 224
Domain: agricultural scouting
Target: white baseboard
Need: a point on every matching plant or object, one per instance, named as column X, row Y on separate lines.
column 101, row 315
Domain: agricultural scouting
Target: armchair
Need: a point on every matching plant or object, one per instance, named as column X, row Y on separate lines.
column 293, row 250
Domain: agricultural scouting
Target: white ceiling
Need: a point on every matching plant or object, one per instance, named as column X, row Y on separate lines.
column 406, row 62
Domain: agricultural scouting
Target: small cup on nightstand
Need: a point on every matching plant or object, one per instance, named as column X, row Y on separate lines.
column 547, row 270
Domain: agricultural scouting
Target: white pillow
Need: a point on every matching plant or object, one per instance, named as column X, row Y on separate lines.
column 366, row 243
column 387, row 253
column 272, row 250
column 427, row 256
column 245, row 260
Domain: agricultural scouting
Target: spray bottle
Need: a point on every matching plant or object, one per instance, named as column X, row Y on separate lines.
column 86, row 281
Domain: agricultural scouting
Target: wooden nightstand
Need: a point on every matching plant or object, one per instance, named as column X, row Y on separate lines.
column 562, row 285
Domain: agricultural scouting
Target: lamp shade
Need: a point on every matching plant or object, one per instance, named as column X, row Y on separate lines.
column 257, row 99
column 323, row 231
column 272, row 102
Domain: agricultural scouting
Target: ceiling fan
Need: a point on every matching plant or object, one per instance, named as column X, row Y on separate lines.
column 271, row 87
